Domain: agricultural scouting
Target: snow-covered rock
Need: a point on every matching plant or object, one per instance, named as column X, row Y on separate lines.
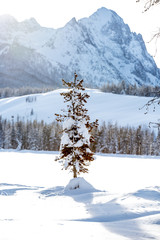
column 100, row 48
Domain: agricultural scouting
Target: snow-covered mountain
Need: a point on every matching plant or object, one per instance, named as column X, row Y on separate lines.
column 121, row 109
column 100, row 49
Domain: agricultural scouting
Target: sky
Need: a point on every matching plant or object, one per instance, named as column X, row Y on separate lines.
column 56, row 13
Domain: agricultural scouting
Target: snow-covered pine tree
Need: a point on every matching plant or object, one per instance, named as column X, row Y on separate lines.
column 75, row 153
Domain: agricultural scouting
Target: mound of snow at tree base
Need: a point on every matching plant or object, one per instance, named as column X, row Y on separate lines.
column 79, row 185
column 34, row 204
column 125, row 110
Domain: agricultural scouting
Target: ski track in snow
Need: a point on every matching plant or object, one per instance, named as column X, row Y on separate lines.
column 35, row 204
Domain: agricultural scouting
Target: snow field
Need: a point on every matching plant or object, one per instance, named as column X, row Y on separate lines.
column 125, row 110
column 34, row 203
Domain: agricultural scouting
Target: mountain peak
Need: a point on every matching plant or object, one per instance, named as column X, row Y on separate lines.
column 32, row 21
column 7, row 19
column 99, row 18
column 102, row 10
column 30, row 24
column 72, row 22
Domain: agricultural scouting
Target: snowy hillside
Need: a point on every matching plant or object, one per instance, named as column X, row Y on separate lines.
column 124, row 202
column 123, row 109
column 100, row 49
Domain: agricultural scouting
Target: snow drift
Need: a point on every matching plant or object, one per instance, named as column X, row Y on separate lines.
column 34, row 205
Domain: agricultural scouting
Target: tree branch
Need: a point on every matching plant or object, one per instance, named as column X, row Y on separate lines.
column 149, row 3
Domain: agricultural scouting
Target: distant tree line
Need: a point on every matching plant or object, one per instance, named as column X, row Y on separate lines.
column 109, row 138
column 14, row 92
column 31, row 135
column 112, row 138
column 123, row 88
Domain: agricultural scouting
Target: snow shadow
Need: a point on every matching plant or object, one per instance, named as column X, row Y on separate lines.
column 51, row 192
column 157, row 222
column 7, row 189
column 149, row 194
column 106, row 209
column 112, row 215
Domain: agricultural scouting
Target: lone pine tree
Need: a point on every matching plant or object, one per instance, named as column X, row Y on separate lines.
column 75, row 153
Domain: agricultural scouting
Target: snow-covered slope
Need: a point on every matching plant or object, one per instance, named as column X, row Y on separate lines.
column 123, row 109
column 100, row 48
column 34, row 203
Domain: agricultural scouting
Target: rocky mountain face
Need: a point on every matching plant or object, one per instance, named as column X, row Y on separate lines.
column 101, row 49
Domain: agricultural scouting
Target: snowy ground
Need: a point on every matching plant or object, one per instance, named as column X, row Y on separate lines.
column 34, row 203
column 123, row 109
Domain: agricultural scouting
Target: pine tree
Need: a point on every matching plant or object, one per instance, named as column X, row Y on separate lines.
column 19, row 127
column 1, row 133
column 75, row 153
column 14, row 143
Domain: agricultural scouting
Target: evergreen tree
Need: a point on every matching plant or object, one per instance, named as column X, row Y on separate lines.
column 138, row 140
column 19, row 133
column 33, row 136
column 7, row 134
column 1, row 133
column 75, row 153
column 101, row 141
column 55, row 136
column 14, row 143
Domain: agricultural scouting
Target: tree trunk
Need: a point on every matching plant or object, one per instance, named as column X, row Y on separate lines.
column 74, row 172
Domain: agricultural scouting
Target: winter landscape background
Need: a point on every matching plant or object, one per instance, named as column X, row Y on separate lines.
column 101, row 48
column 120, row 196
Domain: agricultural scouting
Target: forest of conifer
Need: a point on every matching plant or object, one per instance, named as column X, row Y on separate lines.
column 109, row 138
